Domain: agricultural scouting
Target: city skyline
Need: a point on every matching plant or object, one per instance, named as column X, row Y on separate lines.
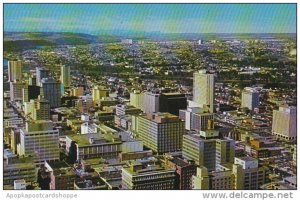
column 137, row 19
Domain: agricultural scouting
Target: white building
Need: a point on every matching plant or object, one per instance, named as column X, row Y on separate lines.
column 126, row 41
column 65, row 75
column 203, row 89
column 20, row 184
column 15, row 70
column 246, row 163
column 250, row 98
column 11, row 122
column 89, row 128
column 284, row 125
column 151, row 102
column 196, row 118
column 39, row 140
column 16, row 93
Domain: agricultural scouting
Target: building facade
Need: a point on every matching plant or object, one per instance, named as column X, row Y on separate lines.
column 203, row 89
column 14, row 70
column 51, row 91
column 65, row 76
column 284, row 124
column 161, row 132
column 250, row 98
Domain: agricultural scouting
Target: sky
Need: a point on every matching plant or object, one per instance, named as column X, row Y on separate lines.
column 164, row 18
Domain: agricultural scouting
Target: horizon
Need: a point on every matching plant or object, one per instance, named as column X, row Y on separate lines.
column 117, row 19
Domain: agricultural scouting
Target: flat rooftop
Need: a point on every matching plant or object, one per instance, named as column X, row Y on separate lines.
column 57, row 164
column 179, row 162
column 84, row 139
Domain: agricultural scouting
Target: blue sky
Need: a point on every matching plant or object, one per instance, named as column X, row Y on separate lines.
column 165, row 18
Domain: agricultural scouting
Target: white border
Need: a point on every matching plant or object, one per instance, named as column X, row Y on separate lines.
column 144, row 195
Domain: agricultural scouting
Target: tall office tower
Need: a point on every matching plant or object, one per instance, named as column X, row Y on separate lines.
column 98, row 92
column 203, row 89
column 151, row 102
column 39, row 140
column 65, row 75
column 284, row 125
column 40, row 74
column 32, row 80
column 153, row 177
column 137, row 99
column 253, row 175
column 207, row 149
column 16, row 91
column 30, row 92
column 15, row 139
column 161, row 132
column 196, row 118
column 250, row 98
column 172, row 103
column 41, row 109
column 51, row 91
column 14, row 70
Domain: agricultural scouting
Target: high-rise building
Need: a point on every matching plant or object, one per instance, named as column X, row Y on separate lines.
column 172, row 103
column 154, row 177
column 14, row 70
column 51, row 91
column 208, row 149
column 41, row 110
column 161, row 132
column 65, row 75
column 196, row 118
column 16, row 91
column 151, row 102
column 250, row 98
column 32, row 80
column 137, row 99
column 98, row 92
column 39, row 140
column 203, row 89
column 184, row 172
column 30, row 92
column 284, row 125
column 158, row 101
column 40, row 74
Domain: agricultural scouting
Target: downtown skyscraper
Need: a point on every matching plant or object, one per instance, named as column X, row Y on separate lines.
column 203, row 90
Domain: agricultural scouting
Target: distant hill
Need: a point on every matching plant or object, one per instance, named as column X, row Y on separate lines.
column 16, row 41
